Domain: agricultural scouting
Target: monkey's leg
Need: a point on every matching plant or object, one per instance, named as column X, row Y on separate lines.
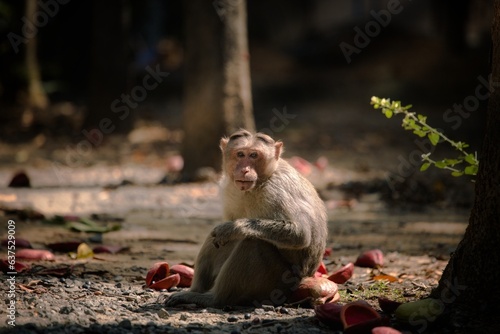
column 255, row 273
column 208, row 265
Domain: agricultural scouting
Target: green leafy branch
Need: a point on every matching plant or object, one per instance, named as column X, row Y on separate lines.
column 466, row 163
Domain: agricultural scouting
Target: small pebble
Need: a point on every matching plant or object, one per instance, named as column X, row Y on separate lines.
column 284, row 310
column 118, row 285
column 247, row 316
column 127, row 324
column 163, row 313
column 232, row 318
column 66, row 310
column 255, row 321
column 183, row 317
column 259, row 311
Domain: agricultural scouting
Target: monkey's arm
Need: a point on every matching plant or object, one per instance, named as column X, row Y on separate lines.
column 281, row 233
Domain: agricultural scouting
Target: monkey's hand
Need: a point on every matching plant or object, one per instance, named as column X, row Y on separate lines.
column 224, row 233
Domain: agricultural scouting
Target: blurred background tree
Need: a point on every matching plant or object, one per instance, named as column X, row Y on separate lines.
column 91, row 54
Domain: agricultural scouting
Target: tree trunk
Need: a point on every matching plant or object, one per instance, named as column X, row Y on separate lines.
column 470, row 286
column 37, row 98
column 217, row 92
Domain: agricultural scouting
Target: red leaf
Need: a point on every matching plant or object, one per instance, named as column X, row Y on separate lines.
column 322, row 269
column 321, row 163
column 19, row 267
column 166, row 283
column 387, row 305
column 329, row 314
column 64, row 247
column 35, row 254
column 343, row 274
column 301, row 165
column 158, row 271
column 174, row 163
column 186, row 274
column 328, row 252
column 20, row 180
column 317, row 290
column 359, row 317
column 372, row 259
column 385, row 330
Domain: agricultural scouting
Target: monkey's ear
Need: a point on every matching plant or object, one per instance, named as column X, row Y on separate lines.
column 278, row 149
column 223, row 144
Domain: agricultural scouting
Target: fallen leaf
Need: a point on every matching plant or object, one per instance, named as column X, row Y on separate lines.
column 371, row 259
column 19, row 267
column 385, row 278
column 20, row 180
column 385, row 330
column 166, row 283
column 321, row 163
column 90, row 226
column 322, row 268
column 83, row 252
column 186, row 274
column 387, row 305
column 316, row 290
column 328, row 252
column 424, row 309
column 301, row 165
column 329, row 314
column 343, row 274
column 159, row 277
column 359, row 317
column 64, row 247
column 174, row 163
column 35, row 254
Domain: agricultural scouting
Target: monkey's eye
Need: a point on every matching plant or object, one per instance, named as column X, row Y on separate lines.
column 240, row 154
column 253, row 155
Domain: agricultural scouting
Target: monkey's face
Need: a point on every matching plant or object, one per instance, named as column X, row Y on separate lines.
column 249, row 158
column 246, row 168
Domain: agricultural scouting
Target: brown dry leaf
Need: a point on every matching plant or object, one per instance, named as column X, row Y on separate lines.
column 389, row 278
column 25, row 288
column 34, row 282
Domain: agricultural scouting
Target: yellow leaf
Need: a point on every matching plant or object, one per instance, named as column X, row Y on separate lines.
column 84, row 251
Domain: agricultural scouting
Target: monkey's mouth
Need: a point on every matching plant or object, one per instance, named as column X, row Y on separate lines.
column 244, row 185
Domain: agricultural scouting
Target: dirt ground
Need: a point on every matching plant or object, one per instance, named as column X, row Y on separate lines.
column 168, row 222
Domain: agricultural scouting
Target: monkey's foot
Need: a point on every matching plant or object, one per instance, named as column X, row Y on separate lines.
column 189, row 297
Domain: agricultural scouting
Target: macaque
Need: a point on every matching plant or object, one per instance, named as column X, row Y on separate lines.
column 275, row 232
